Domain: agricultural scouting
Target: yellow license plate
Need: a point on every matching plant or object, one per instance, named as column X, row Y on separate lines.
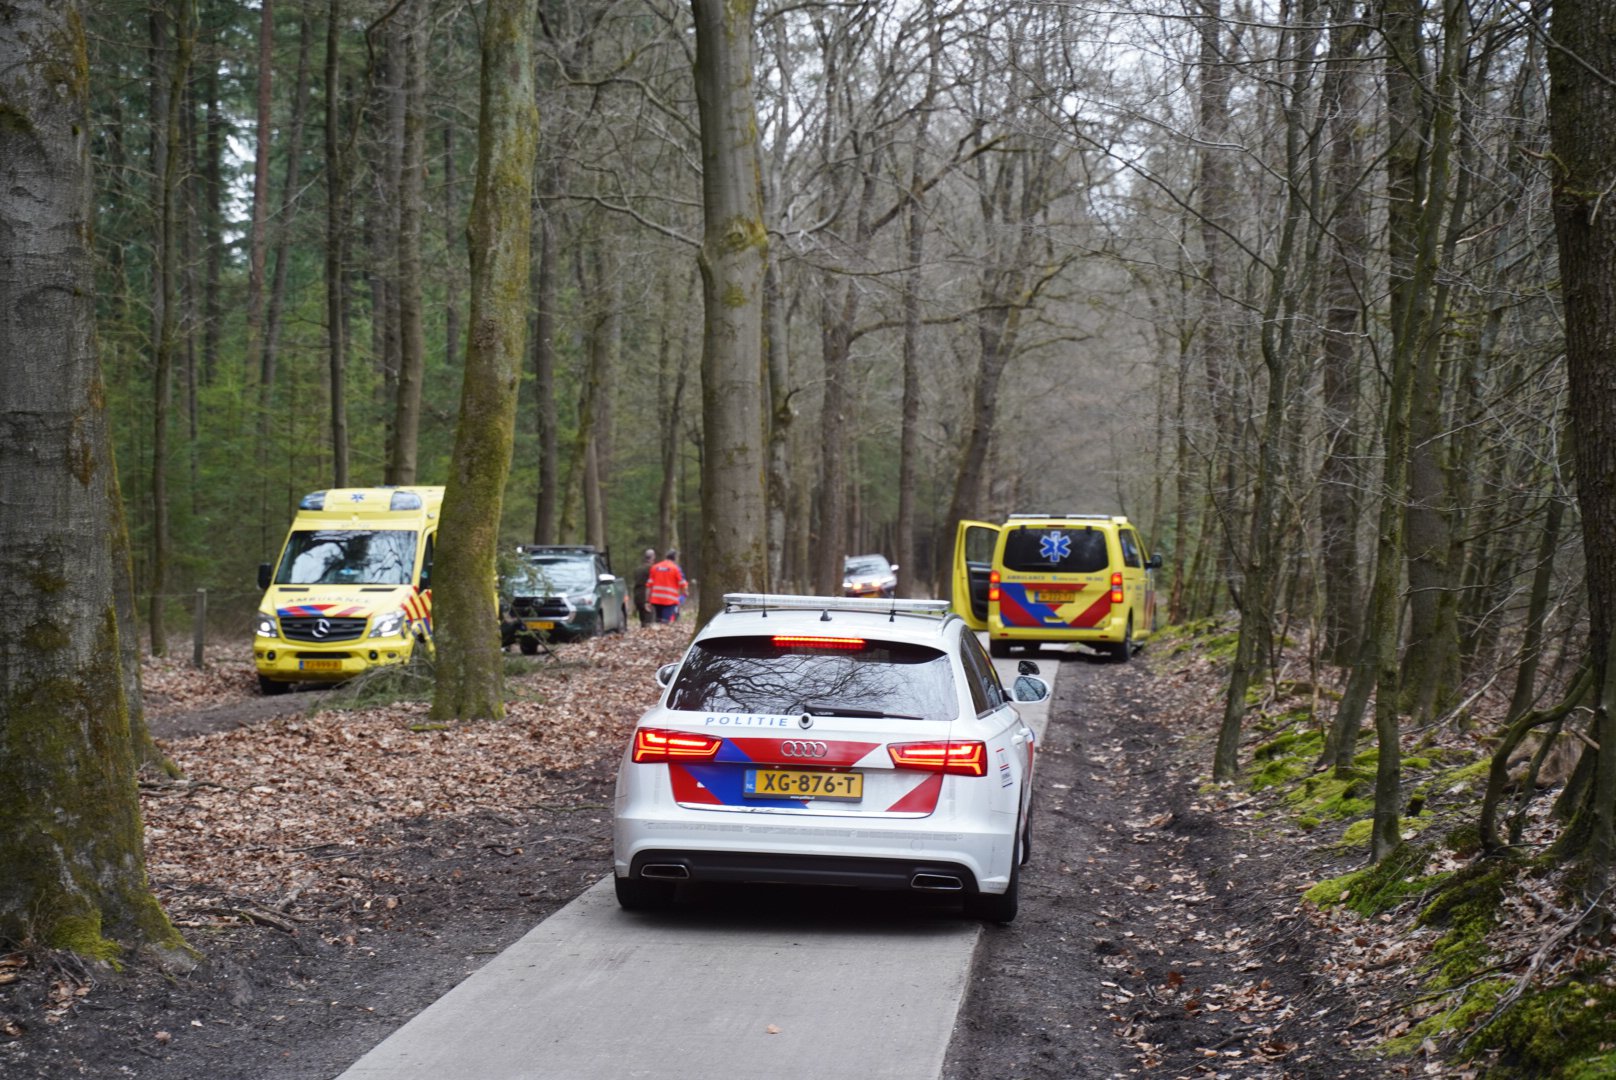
column 535, row 624
column 319, row 665
column 802, row 784
column 1056, row 596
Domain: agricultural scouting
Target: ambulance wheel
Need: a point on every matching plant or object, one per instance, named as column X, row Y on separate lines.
column 269, row 687
column 638, row 894
column 998, row 648
column 1122, row 651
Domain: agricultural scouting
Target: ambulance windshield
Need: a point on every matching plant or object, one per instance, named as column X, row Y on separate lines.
column 348, row 557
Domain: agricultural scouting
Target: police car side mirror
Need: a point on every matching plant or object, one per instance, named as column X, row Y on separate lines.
column 665, row 673
column 1027, row 667
column 1029, row 688
column 263, row 575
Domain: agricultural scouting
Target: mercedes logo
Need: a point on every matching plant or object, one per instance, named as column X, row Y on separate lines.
column 803, row 748
column 322, row 627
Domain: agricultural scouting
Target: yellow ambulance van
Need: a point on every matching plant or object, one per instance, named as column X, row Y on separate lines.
column 1056, row 578
column 352, row 589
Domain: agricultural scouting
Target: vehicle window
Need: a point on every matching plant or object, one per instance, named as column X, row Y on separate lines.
column 1056, row 549
column 553, row 577
column 426, row 563
column 987, row 693
column 348, row 557
column 865, row 564
column 758, row 675
column 1130, row 548
column 979, row 545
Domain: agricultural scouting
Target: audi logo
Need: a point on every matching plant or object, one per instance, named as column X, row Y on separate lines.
column 322, row 628
column 803, row 748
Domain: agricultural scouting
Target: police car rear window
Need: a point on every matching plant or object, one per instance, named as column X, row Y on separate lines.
column 757, row 675
column 1056, row 550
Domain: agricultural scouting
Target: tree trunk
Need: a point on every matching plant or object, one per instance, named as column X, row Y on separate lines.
column 335, row 240
column 453, row 233
column 546, row 524
column 470, row 664
column 1582, row 117
column 259, row 230
column 72, row 867
column 402, row 461
column 1343, row 320
column 733, row 254
column 168, row 154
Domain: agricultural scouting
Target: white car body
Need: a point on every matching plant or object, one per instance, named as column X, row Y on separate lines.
column 945, row 789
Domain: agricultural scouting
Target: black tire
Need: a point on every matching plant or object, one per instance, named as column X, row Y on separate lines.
column 269, row 687
column 1122, row 651
column 638, row 894
column 529, row 644
column 998, row 648
column 998, row 907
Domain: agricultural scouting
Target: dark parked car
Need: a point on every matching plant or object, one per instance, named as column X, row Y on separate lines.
column 561, row 593
column 869, row 575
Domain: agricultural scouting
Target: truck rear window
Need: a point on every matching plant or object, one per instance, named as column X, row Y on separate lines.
column 756, row 675
column 1056, row 550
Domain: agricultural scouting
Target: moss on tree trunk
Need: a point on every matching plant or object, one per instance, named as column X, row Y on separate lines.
column 470, row 665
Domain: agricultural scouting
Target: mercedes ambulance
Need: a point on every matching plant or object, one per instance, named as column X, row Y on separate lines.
column 352, row 589
column 1056, row 578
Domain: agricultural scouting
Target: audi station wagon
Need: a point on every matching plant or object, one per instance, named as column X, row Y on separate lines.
column 830, row 741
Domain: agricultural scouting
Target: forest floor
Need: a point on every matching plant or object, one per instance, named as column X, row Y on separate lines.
column 338, row 865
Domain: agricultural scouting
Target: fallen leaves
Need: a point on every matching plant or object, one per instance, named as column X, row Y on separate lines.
column 269, row 818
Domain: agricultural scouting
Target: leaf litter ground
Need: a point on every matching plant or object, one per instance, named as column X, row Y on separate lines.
column 339, row 869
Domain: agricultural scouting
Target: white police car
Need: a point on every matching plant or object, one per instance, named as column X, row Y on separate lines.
column 830, row 741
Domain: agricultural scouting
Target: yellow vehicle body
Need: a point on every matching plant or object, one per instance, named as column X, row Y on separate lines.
column 1042, row 579
column 352, row 588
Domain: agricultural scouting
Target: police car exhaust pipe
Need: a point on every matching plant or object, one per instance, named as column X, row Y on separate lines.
column 666, row 871
column 936, row 882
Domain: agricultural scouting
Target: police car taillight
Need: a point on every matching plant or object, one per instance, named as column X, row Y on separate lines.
column 993, row 586
column 1116, row 588
column 948, row 756
column 807, row 641
column 654, row 744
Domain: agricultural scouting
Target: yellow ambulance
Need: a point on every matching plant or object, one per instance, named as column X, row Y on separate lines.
column 352, row 589
column 1056, row 578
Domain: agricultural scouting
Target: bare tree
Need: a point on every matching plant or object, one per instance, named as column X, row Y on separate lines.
column 733, row 255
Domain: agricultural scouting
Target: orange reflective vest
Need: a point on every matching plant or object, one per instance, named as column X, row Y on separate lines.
column 666, row 585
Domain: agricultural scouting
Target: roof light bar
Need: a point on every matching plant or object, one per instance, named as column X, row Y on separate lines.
column 766, row 602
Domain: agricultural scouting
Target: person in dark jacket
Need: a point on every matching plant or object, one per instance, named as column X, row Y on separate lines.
column 642, row 577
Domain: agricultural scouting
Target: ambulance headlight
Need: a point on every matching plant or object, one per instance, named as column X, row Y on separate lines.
column 389, row 625
column 264, row 625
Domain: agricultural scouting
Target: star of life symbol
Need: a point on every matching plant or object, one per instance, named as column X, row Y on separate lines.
column 358, row 496
column 1054, row 546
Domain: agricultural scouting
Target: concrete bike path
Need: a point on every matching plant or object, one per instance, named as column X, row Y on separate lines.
column 764, row 982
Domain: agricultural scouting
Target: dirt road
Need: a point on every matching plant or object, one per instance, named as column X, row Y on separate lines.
column 1159, row 935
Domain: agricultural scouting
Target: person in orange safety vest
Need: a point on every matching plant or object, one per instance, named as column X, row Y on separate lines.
column 666, row 587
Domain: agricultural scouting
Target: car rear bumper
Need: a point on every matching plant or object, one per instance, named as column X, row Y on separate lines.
column 715, row 845
column 777, row 868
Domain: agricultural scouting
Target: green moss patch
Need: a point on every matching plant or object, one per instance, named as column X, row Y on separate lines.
column 1378, row 888
column 1286, row 758
column 1467, row 906
column 1563, row 1031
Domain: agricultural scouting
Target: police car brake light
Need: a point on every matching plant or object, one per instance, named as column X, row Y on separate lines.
column 655, row 744
column 948, row 756
column 814, row 641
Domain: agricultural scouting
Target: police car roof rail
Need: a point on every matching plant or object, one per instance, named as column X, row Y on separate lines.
column 767, row 602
